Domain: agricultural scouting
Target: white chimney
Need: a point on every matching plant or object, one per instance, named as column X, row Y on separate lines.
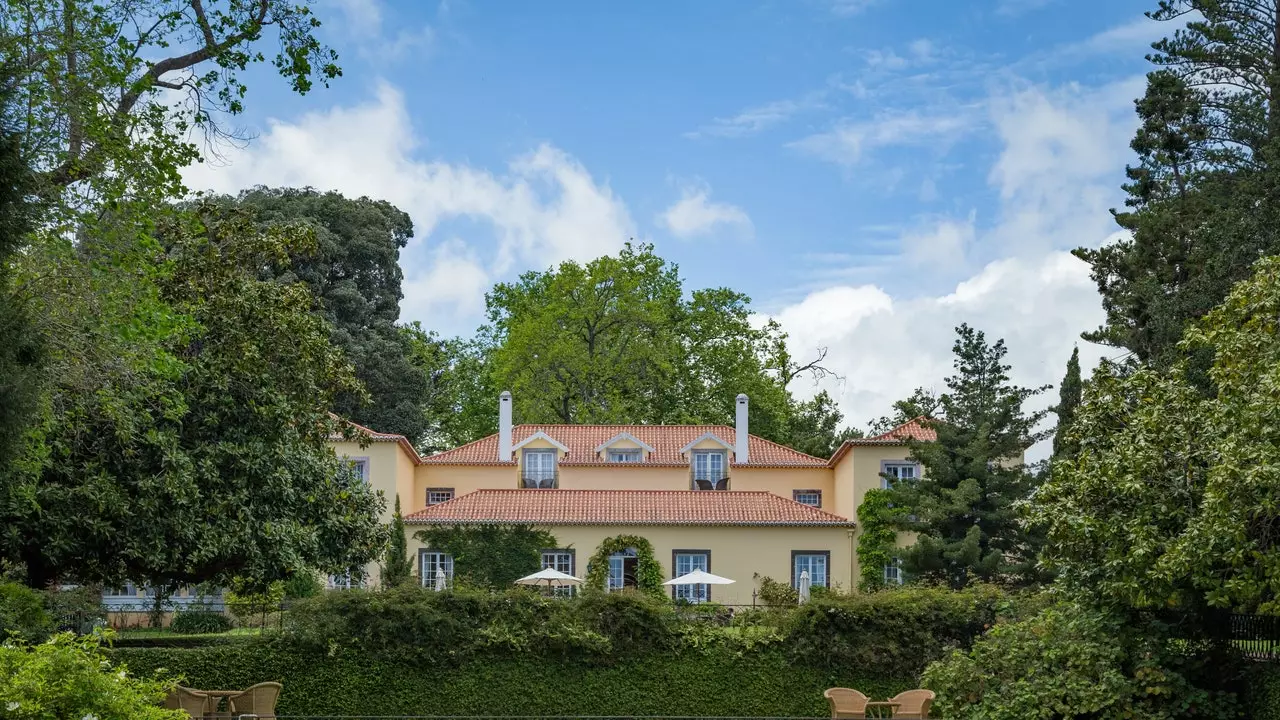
column 740, row 441
column 504, row 426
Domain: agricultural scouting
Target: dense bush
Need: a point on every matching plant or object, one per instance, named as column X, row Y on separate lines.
column 247, row 604
column 22, row 613
column 1264, row 694
column 199, row 621
column 715, row 682
column 70, row 677
column 899, row 631
column 1070, row 661
column 77, row 609
column 302, row 584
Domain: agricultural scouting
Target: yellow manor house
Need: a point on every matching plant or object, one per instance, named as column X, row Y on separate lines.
column 709, row 497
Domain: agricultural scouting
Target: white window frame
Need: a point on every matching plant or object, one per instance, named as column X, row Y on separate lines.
column 684, row 562
column 439, row 492
column 562, row 560
column 617, row 569
column 895, row 468
column 809, row 560
column 893, row 572
column 361, row 465
column 705, row 473
column 626, row 455
column 433, row 559
column 815, row 494
column 542, row 474
column 341, row 582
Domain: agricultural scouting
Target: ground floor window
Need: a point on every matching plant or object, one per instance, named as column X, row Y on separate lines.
column 432, row 566
column 684, row 562
column 815, row 562
column 561, row 560
column 344, row 581
column 622, row 569
column 893, row 572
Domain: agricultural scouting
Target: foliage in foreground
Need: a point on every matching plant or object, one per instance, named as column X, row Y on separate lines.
column 1173, row 497
column 70, row 677
column 1075, row 662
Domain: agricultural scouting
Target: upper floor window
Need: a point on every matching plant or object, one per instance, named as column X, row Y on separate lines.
column 815, row 563
column 812, row 498
column 435, row 496
column 625, row 456
column 538, row 469
column 359, row 468
column 891, row 472
column 435, row 569
column 708, row 470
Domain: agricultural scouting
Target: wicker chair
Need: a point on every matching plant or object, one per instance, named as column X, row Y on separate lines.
column 192, row 702
column 846, row 704
column 257, row 700
column 913, row 704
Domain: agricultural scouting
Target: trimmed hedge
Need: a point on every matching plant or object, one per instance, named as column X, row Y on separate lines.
column 1263, row 698
column 712, row 682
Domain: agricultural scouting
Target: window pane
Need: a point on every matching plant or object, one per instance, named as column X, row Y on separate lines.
column 809, row 498
column 816, row 565
column 686, row 563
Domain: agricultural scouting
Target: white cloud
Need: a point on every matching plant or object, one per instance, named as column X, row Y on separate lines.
column 544, row 208
column 364, row 22
column 850, row 142
column 696, row 214
column 756, row 119
column 942, row 245
column 847, row 8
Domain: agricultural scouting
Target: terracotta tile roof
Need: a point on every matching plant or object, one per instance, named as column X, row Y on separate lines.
column 913, row 429
column 375, row 436
column 623, row 507
column 582, row 441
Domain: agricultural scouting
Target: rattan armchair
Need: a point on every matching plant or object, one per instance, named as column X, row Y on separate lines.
column 257, row 700
column 846, row 703
column 193, row 702
column 913, row 704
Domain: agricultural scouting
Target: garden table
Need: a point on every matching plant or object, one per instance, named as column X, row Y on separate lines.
column 217, row 696
column 882, row 708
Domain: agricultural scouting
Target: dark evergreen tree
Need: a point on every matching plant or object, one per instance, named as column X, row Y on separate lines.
column 397, row 567
column 1069, row 395
column 965, row 505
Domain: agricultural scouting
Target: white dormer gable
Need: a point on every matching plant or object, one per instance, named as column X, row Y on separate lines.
column 705, row 437
column 627, row 438
column 540, row 435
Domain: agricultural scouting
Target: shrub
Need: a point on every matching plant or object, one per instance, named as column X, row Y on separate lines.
column 900, row 630
column 632, row 621
column 244, row 604
column 1075, row 662
column 302, row 584
column 70, row 677
column 78, row 610
column 22, row 613
column 199, row 622
column 1264, row 694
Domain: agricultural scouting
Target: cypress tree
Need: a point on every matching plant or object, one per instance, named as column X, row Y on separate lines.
column 397, row 568
column 1068, row 400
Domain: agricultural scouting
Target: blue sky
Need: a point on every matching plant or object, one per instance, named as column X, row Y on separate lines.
column 871, row 172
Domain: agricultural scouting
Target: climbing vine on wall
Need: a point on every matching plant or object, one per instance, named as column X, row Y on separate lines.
column 876, row 541
column 648, row 571
column 492, row 556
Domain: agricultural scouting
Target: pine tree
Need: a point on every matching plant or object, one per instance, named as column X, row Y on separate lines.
column 964, row 506
column 397, row 568
column 1068, row 400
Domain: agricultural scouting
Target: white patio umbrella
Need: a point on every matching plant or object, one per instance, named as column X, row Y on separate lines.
column 441, row 580
column 803, row 586
column 699, row 577
column 549, row 577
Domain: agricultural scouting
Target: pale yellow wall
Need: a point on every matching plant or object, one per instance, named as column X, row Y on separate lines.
column 781, row 481
column 736, row 552
column 463, row 479
column 710, row 444
column 623, row 476
column 390, row 472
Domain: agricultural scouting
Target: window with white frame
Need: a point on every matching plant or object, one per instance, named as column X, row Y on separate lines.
column 896, row 471
column 345, row 581
column 625, row 456
column 435, row 496
column 539, row 468
column 815, row 563
column 622, row 569
column 684, row 562
column 561, row 560
column 708, row 470
column 359, row 468
column 813, row 498
column 893, row 572
column 128, row 591
column 435, row 569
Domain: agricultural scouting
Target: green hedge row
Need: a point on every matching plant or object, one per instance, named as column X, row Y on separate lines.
column 1263, row 697
column 713, row 682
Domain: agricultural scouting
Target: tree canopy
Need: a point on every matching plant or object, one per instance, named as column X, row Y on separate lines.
column 965, row 505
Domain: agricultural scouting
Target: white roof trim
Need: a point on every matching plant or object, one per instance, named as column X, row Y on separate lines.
column 706, row 436
column 540, row 436
column 624, row 436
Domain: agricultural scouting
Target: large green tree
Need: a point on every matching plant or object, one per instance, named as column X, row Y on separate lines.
column 1173, row 498
column 1201, row 206
column 618, row 341
column 965, row 507
column 355, row 277
column 1069, row 395
column 112, row 93
column 187, row 436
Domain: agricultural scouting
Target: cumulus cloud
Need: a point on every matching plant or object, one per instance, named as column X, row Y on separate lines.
column 942, row 244
column 546, row 207
column 695, row 214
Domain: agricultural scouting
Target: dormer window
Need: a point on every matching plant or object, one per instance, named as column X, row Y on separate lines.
column 708, row 470
column 538, row 469
column 626, row 456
